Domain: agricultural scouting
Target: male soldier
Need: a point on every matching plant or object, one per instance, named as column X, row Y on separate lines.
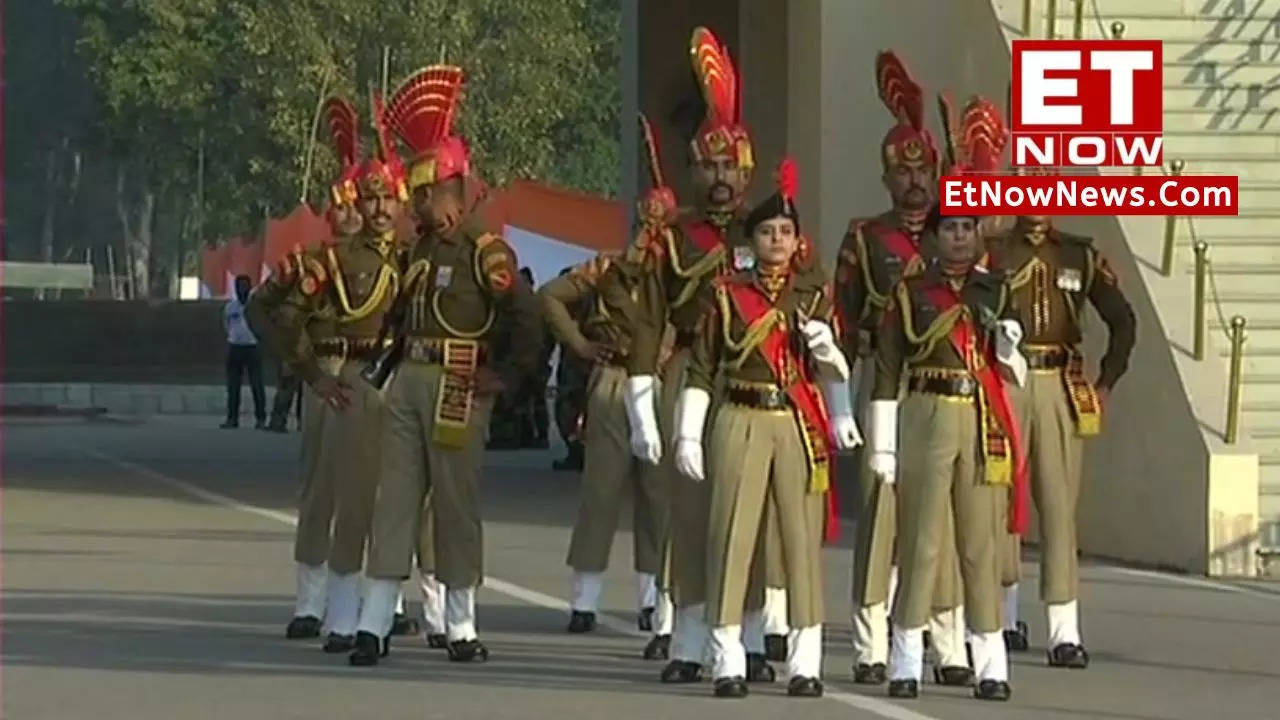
column 287, row 385
column 876, row 254
column 609, row 470
column 1052, row 274
column 572, row 376
column 324, row 316
column 459, row 280
column 662, row 280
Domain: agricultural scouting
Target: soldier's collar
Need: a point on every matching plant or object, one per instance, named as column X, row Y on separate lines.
column 384, row 243
column 911, row 222
column 1033, row 232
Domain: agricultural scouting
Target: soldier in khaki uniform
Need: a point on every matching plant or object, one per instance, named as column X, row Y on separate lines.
column 1053, row 274
column 876, row 253
column 946, row 332
column 609, row 470
column 769, row 335
column 323, row 315
column 459, row 280
column 659, row 283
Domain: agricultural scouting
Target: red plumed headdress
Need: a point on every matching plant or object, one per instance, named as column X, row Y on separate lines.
column 384, row 165
column 909, row 142
column 344, row 125
column 976, row 142
column 422, row 111
column 721, row 134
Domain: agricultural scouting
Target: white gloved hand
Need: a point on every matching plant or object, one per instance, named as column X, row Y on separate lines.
column 1008, row 335
column 884, row 440
column 822, row 344
column 640, row 400
column 691, row 415
column 846, row 428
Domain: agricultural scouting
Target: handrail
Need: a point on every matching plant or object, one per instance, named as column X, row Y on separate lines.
column 1233, row 384
column 1026, row 18
column 1170, row 225
column 1051, row 20
column 1201, row 248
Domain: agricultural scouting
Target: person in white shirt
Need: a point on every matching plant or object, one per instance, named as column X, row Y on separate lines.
column 242, row 355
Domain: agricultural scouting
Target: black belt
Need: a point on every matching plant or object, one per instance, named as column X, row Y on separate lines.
column 365, row 348
column 958, row 386
column 1047, row 359
column 430, row 351
column 759, row 398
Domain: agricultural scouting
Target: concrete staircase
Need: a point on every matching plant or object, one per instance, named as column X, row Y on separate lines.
column 1222, row 116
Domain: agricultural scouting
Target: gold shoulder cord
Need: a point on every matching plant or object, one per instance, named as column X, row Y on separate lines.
column 693, row 273
column 751, row 337
column 874, row 297
column 478, row 272
column 388, row 279
column 925, row 342
column 418, row 270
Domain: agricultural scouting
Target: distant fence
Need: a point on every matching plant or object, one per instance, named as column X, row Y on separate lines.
column 49, row 276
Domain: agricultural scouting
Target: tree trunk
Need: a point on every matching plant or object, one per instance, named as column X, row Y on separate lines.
column 142, row 241
column 122, row 212
column 50, row 210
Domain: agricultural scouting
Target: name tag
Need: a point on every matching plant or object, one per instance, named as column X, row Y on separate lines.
column 1069, row 279
column 744, row 258
column 444, row 276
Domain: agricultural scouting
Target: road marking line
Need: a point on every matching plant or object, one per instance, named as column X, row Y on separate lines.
column 882, row 708
column 1196, row 582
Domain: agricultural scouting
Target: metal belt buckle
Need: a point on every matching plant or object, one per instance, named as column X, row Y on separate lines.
column 344, row 349
column 966, row 385
column 773, row 397
column 418, row 350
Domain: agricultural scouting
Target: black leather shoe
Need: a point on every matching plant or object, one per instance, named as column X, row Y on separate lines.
column 437, row 640
column 1016, row 640
column 468, row 651
column 336, row 643
column 369, row 649
column 759, row 670
column 303, row 627
column 659, row 648
column 993, row 690
column 953, row 675
column 904, row 689
column 582, row 622
column 730, row 687
column 865, row 674
column 681, row 671
column 405, row 625
column 1070, row 656
column 775, row 647
column 804, row 687
column 645, row 620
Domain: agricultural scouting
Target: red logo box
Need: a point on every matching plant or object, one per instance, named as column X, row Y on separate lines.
column 1087, row 103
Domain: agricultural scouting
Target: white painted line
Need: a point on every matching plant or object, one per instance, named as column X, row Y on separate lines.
column 882, row 708
column 1196, row 582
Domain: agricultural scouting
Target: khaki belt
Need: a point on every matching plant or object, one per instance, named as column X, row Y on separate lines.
column 431, row 351
column 948, row 385
column 365, row 348
column 759, row 396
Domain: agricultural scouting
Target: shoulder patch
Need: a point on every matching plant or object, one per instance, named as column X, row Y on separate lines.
column 486, row 240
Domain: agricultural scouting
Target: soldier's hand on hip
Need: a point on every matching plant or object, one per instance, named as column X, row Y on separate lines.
column 594, row 351
column 334, row 392
column 487, row 382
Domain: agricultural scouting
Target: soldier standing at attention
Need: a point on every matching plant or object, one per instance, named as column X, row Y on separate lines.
column 324, row 311
column 609, row 471
column 663, row 280
column 877, row 253
column 769, row 334
column 1053, row 274
column 460, row 280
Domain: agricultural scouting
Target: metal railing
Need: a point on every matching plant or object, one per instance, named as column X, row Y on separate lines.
column 1236, row 380
column 1170, row 227
column 1051, row 18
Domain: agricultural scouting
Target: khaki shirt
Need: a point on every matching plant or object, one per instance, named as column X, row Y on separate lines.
column 575, row 289
column 867, row 270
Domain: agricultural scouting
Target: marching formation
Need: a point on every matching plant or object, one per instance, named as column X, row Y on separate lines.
column 728, row 372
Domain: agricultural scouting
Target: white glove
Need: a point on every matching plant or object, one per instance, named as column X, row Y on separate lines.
column 822, row 343
column 884, row 440
column 846, row 428
column 1008, row 335
column 691, row 415
column 640, row 399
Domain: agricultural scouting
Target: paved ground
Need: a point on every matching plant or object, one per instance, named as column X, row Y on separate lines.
column 147, row 575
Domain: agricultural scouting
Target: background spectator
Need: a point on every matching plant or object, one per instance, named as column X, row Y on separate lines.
column 242, row 355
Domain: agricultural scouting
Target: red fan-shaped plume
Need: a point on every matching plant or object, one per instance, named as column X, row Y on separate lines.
column 344, row 127
column 899, row 91
column 716, row 75
column 983, row 134
column 386, row 145
column 788, row 179
column 423, row 107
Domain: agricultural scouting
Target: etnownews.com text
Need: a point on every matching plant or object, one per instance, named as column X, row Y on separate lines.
column 1089, row 195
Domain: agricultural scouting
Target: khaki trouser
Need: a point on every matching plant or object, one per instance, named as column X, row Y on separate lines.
column 941, row 472
column 1054, row 461
column 412, row 464
column 875, row 531
column 340, row 464
column 756, row 457
column 610, row 471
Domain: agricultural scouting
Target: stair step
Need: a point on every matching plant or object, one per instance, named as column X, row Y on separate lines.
column 1218, row 49
column 1217, row 72
column 1230, row 268
column 1225, row 120
column 1210, row 141
column 1170, row 26
column 1263, row 97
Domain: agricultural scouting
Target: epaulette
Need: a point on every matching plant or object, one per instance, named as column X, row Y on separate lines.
column 313, row 274
column 495, row 262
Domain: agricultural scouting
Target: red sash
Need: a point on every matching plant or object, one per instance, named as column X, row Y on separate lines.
column 793, row 377
column 995, row 405
column 895, row 241
column 704, row 236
